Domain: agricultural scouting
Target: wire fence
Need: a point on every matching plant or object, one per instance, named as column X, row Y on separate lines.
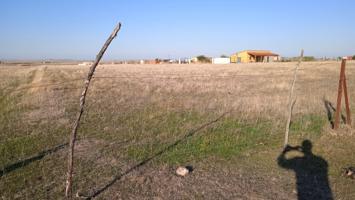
column 136, row 121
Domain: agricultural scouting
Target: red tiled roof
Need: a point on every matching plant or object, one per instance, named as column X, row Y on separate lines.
column 262, row 53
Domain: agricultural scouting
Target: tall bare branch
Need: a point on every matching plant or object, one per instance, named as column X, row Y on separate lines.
column 291, row 100
column 68, row 190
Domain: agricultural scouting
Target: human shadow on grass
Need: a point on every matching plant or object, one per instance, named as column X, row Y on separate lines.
column 330, row 109
column 142, row 163
column 22, row 163
column 311, row 172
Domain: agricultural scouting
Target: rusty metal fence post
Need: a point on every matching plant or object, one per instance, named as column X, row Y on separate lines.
column 342, row 87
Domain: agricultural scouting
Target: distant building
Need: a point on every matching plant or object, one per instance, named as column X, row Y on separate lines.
column 193, row 60
column 348, row 57
column 221, row 61
column 251, row 56
column 85, row 63
column 155, row 61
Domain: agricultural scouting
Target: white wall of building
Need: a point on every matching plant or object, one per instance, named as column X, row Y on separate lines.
column 221, row 61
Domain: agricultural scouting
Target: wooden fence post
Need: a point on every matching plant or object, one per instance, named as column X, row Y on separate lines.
column 68, row 189
column 291, row 101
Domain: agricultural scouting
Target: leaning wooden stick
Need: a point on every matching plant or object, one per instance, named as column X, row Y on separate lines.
column 82, row 103
column 291, row 101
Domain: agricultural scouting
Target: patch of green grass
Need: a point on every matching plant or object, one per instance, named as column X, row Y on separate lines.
column 308, row 126
column 11, row 108
column 227, row 139
column 19, row 139
column 7, row 108
column 224, row 139
column 137, row 124
column 151, row 131
column 42, row 179
column 21, row 147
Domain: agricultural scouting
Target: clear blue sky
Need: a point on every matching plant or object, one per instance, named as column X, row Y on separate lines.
column 76, row 29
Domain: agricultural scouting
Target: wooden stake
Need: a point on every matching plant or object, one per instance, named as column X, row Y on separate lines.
column 68, row 190
column 347, row 105
column 291, row 101
column 342, row 87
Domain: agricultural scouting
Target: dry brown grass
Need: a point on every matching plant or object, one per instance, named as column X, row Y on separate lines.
column 131, row 107
column 248, row 89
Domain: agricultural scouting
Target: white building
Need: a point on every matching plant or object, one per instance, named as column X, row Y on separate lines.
column 221, row 61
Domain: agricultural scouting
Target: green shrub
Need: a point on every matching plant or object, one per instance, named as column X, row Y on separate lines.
column 203, row 59
column 308, row 58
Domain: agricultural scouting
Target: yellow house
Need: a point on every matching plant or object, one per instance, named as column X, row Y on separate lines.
column 250, row 56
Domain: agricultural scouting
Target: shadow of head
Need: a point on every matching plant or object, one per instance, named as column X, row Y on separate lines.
column 307, row 147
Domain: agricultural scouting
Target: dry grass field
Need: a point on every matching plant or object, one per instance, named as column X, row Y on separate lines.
column 143, row 121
